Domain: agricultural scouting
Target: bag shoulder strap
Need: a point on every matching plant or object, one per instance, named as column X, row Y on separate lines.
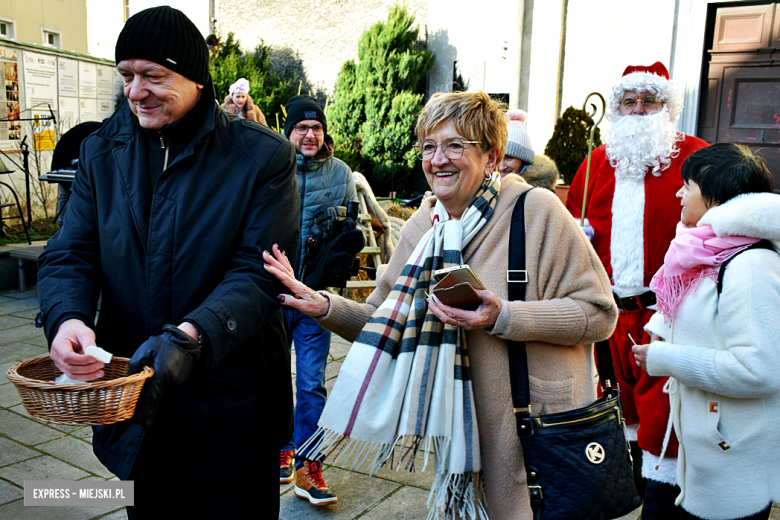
column 761, row 244
column 518, row 357
column 518, row 360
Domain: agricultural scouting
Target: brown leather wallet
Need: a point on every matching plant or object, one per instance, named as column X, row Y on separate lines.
column 461, row 295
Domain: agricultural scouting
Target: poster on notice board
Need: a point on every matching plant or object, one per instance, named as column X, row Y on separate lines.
column 87, row 80
column 10, row 128
column 68, row 77
column 41, row 100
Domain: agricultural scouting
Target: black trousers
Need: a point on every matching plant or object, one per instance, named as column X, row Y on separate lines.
column 252, row 492
column 639, row 480
column 659, row 501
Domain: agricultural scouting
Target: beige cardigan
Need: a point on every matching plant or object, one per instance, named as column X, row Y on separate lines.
column 570, row 306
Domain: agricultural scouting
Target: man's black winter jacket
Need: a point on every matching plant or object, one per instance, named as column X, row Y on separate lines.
column 184, row 244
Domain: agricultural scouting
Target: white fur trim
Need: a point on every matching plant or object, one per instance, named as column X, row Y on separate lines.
column 666, row 472
column 642, row 81
column 627, row 248
column 631, row 431
column 750, row 215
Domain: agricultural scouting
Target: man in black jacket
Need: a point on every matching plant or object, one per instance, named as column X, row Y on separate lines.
column 174, row 203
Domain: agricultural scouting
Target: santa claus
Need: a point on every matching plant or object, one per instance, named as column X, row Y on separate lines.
column 632, row 208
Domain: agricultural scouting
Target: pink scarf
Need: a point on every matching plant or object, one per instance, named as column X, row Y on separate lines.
column 695, row 253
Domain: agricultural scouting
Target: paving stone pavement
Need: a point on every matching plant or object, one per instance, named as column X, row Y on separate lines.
column 31, row 450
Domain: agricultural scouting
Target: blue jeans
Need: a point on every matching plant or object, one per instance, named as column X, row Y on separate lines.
column 312, row 344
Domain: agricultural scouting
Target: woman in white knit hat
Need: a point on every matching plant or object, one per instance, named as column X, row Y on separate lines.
column 239, row 103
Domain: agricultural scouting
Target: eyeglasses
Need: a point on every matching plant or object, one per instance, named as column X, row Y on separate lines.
column 304, row 129
column 647, row 102
column 452, row 148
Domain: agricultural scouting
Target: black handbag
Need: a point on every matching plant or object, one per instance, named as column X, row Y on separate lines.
column 578, row 462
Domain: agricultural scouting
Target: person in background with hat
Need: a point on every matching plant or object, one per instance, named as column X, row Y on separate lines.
column 634, row 212
column 173, row 204
column 323, row 180
column 238, row 102
column 537, row 170
column 519, row 150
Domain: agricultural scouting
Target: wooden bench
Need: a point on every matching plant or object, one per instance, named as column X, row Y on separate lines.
column 28, row 254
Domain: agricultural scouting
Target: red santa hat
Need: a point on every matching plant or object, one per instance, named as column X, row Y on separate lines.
column 656, row 68
column 644, row 78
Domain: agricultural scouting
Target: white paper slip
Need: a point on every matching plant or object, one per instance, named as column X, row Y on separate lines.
column 99, row 354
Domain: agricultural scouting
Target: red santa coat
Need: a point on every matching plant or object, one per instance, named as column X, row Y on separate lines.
column 641, row 395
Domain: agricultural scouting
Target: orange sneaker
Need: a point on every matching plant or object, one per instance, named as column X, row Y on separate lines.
column 310, row 485
column 286, row 466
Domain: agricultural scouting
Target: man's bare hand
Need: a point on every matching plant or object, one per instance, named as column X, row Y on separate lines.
column 67, row 351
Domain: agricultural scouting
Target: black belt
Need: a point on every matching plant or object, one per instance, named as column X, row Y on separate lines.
column 635, row 303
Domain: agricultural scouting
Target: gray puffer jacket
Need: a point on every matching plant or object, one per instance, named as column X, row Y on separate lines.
column 322, row 180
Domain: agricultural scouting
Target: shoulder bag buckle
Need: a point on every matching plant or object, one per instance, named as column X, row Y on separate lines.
column 516, row 276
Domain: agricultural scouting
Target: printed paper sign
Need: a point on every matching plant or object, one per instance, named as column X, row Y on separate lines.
column 105, row 83
column 68, row 77
column 87, row 80
column 88, row 110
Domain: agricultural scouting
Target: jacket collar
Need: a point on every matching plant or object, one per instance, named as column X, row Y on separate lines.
column 325, row 153
column 755, row 215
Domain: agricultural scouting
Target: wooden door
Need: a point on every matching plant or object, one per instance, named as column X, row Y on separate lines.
column 741, row 93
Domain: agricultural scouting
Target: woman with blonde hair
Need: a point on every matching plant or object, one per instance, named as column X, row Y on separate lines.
column 423, row 374
column 239, row 102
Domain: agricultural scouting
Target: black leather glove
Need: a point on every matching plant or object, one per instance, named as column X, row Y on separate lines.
column 171, row 355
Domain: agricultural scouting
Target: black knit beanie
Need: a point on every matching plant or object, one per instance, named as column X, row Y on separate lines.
column 300, row 108
column 166, row 36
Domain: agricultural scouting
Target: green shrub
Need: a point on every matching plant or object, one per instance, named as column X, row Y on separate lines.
column 385, row 86
column 268, row 90
column 568, row 146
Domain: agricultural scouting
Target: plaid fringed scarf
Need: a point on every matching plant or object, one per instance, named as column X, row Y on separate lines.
column 406, row 381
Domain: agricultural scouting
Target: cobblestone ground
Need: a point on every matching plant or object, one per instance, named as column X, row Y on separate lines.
column 31, row 450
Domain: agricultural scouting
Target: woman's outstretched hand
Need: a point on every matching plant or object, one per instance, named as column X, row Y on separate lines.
column 301, row 297
column 484, row 317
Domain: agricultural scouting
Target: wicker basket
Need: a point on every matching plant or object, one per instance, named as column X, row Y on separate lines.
column 107, row 400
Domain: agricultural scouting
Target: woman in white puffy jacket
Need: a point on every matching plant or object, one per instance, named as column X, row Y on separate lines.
column 721, row 348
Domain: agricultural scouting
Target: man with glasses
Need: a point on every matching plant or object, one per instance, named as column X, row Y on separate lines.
column 323, row 180
column 634, row 212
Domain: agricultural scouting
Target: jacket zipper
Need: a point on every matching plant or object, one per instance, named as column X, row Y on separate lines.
column 611, row 410
column 302, row 252
column 164, row 147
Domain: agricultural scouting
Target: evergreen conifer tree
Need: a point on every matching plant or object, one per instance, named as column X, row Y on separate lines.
column 385, row 87
column 267, row 89
column 568, row 146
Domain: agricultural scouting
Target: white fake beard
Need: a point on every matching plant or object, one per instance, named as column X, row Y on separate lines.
column 638, row 143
